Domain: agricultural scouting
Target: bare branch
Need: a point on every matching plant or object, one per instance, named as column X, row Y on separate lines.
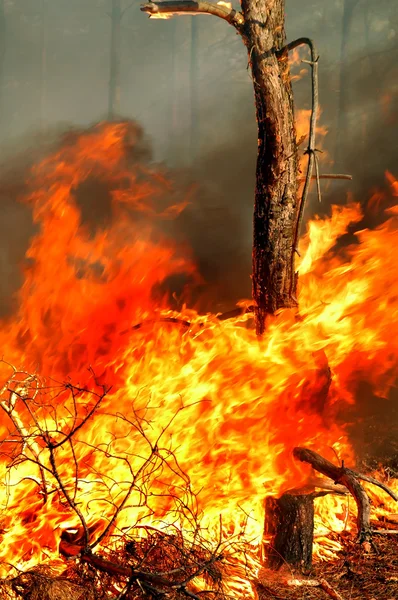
column 311, row 149
column 170, row 7
column 328, row 176
column 349, row 479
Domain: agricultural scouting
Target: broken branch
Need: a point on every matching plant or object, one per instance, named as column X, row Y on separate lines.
column 349, row 479
column 172, row 7
column 311, row 149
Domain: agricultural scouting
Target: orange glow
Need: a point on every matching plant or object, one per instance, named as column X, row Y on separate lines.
column 237, row 406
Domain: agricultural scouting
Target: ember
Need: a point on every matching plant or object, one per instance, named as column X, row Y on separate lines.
column 163, row 450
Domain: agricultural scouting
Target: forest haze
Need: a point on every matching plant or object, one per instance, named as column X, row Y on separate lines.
column 190, row 90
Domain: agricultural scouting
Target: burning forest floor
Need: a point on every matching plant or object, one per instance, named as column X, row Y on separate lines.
column 352, row 575
column 139, row 441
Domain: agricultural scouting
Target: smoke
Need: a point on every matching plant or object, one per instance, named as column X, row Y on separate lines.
column 156, row 93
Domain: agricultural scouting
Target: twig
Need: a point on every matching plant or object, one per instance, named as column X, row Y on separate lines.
column 329, row 590
column 322, row 583
column 379, row 484
column 328, row 176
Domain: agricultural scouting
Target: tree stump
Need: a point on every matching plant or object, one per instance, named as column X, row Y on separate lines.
column 290, row 520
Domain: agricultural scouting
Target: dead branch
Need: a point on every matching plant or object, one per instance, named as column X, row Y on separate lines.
column 311, row 149
column 379, row 484
column 323, row 484
column 326, row 587
column 231, row 314
column 321, row 583
column 327, row 176
column 349, row 479
column 173, row 7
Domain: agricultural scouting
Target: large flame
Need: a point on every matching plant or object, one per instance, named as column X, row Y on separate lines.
column 237, row 406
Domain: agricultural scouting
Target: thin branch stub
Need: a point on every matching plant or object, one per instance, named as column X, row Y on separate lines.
column 173, row 7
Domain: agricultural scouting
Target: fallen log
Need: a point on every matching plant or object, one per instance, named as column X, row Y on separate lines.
column 348, row 478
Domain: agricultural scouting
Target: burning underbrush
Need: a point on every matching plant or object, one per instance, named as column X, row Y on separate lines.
column 139, row 442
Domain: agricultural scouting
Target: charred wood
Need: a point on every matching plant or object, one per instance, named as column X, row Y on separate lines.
column 290, row 519
column 348, row 478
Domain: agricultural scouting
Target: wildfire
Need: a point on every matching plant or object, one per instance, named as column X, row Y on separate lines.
column 226, row 408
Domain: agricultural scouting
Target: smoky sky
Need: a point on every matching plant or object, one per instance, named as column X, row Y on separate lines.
column 156, row 87
column 39, row 103
column 38, row 107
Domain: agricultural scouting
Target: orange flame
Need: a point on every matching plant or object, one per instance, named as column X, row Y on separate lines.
column 238, row 406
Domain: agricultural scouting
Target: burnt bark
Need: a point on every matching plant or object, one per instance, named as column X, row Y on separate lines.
column 290, row 520
column 276, row 207
column 276, row 204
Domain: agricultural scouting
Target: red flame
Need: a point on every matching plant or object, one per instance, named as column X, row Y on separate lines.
column 247, row 402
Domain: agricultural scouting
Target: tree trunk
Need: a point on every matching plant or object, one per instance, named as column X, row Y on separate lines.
column 114, row 74
column 276, row 204
column 276, row 209
column 290, row 520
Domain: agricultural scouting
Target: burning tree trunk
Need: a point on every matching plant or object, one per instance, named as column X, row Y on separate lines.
column 290, row 518
column 276, row 207
column 277, row 211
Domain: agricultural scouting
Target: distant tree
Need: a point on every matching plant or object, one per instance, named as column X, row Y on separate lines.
column 115, row 60
column 43, row 64
column 194, row 74
column 277, row 209
column 2, row 57
column 348, row 13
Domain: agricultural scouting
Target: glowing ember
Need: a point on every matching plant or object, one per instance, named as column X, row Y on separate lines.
column 237, row 405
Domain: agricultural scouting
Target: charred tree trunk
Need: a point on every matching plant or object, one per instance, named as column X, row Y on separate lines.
column 290, row 519
column 276, row 206
column 114, row 72
column 276, row 209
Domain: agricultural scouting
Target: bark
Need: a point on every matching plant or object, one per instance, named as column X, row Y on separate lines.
column 276, row 205
column 290, row 519
column 276, row 208
column 114, row 74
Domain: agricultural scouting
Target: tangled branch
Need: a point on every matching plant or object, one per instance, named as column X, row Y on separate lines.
column 109, row 490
